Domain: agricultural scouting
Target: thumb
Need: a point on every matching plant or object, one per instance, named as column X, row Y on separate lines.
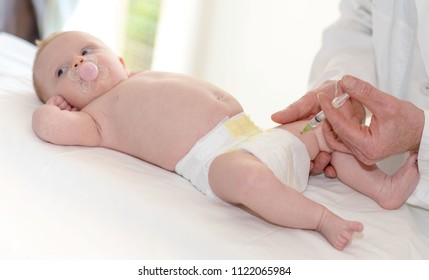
column 296, row 111
column 285, row 116
column 365, row 93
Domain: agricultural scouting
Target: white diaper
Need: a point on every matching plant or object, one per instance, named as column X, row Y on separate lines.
column 280, row 150
column 283, row 153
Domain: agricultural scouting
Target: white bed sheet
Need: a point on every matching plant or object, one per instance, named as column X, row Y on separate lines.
column 93, row 203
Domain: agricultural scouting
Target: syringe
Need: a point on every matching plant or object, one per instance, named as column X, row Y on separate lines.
column 336, row 103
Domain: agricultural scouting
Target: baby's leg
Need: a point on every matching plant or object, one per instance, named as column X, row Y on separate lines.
column 240, row 178
column 390, row 192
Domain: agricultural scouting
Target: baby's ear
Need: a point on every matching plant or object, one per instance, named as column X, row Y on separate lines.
column 121, row 60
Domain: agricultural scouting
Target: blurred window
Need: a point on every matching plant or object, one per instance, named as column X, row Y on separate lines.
column 140, row 32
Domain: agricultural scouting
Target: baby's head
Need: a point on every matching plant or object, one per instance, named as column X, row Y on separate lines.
column 76, row 66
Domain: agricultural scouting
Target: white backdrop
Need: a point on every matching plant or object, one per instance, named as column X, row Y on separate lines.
column 259, row 50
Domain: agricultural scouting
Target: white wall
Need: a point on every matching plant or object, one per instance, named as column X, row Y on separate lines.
column 103, row 19
column 259, row 50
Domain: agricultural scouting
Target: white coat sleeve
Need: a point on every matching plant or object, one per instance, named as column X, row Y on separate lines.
column 420, row 196
column 346, row 46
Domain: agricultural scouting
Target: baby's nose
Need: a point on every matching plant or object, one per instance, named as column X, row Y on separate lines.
column 78, row 60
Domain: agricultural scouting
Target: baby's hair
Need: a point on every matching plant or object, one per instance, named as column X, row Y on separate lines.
column 41, row 44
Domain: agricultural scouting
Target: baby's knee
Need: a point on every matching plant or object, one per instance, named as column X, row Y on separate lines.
column 254, row 176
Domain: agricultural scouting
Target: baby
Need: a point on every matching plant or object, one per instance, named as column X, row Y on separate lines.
column 189, row 126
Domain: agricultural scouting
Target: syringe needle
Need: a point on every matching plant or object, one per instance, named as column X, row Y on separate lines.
column 336, row 103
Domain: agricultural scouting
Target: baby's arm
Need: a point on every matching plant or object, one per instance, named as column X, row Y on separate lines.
column 59, row 123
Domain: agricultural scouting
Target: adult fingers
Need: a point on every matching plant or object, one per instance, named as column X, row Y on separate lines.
column 343, row 126
column 330, row 172
column 332, row 139
column 307, row 106
column 351, row 136
column 300, row 109
column 371, row 97
column 320, row 163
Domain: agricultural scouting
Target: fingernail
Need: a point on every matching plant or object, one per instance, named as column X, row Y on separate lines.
column 349, row 82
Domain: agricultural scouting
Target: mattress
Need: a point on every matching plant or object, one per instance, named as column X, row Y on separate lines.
column 62, row 202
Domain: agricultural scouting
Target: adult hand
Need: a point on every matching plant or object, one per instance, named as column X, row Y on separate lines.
column 396, row 125
column 306, row 108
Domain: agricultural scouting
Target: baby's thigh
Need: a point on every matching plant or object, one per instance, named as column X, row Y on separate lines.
column 235, row 175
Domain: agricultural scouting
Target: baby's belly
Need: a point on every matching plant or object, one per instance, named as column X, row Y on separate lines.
column 162, row 126
column 166, row 141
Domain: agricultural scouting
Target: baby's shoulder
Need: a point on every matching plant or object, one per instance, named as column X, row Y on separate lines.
column 159, row 75
column 151, row 74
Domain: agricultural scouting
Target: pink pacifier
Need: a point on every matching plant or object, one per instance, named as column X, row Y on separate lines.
column 88, row 73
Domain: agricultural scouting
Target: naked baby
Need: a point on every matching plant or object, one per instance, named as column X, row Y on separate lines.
column 190, row 126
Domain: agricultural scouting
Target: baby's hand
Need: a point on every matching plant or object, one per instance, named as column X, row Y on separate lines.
column 61, row 103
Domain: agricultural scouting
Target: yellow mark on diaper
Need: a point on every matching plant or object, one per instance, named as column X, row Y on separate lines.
column 242, row 126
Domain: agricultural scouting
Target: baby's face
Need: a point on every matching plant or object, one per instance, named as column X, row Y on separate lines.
column 69, row 50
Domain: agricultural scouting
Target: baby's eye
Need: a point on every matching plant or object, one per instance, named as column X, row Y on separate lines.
column 61, row 71
column 86, row 51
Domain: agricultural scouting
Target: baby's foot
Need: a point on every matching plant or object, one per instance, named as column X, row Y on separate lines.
column 336, row 230
column 397, row 188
